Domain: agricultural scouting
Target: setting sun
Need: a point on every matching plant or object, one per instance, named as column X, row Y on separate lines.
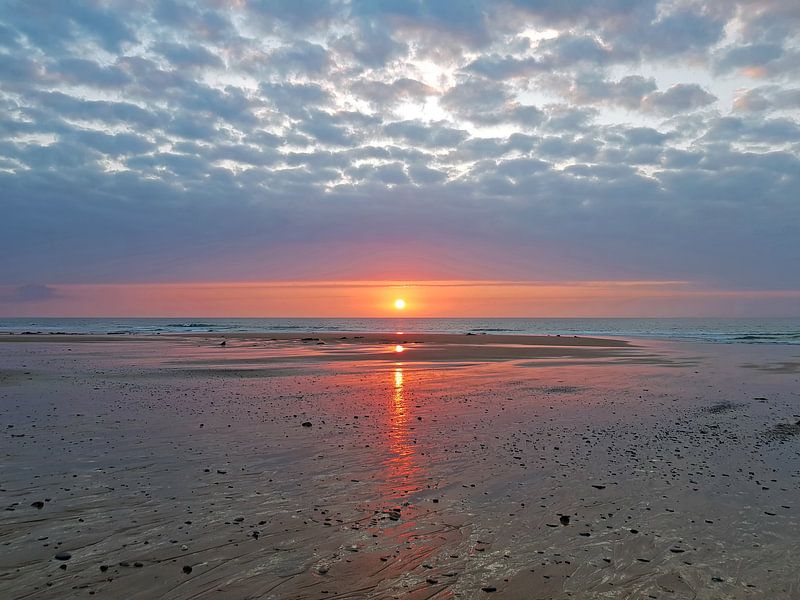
column 399, row 304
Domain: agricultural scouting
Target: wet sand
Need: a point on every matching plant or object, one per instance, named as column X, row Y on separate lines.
column 459, row 467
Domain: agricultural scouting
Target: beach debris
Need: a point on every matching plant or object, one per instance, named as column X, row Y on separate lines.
column 721, row 407
column 783, row 431
column 223, row 343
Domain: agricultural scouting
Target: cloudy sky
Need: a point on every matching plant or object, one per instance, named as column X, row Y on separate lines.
column 626, row 144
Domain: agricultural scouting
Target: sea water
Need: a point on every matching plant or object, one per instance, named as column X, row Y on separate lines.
column 729, row 331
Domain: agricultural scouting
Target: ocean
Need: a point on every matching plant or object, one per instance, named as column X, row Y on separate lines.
column 726, row 331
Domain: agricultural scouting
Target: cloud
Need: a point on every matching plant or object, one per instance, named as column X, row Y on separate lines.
column 590, row 88
column 186, row 57
column 432, row 135
column 29, row 293
column 768, row 98
column 176, row 139
column 681, row 97
column 300, row 57
column 386, row 94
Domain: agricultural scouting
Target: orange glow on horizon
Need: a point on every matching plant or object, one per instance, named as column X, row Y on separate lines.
column 422, row 299
column 399, row 348
column 399, row 304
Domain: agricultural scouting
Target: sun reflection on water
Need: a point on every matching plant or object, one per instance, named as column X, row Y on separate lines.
column 402, row 469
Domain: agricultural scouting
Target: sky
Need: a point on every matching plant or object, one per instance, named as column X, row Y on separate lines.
column 483, row 158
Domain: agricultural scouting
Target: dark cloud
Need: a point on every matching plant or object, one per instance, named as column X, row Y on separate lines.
column 475, row 96
column 382, row 93
column 52, row 26
column 296, row 15
column 681, row 97
column 684, row 31
column 570, row 49
column 87, row 72
column 434, row 135
column 770, row 131
column 295, row 99
column 31, row 292
column 768, row 98
column 300, row 57
column 372, row 46
column 185, row 57
column 591, row 88
column 748, row 57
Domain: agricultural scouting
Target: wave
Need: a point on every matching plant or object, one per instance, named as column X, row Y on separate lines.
column 768, row 337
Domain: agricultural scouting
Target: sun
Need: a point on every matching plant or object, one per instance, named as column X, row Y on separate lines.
column 399, row 304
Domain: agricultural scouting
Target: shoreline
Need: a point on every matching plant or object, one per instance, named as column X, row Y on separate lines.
column 349, row 337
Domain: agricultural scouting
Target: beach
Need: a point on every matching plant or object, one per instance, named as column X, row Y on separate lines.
column 397, row 465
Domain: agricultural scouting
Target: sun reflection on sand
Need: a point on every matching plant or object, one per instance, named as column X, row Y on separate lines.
column 402, row 469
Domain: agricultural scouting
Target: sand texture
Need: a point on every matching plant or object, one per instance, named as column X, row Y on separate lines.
column 460, row 467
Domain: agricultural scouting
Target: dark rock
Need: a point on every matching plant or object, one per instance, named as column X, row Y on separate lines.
column 187, row 569
column 564, row 519
column 63, row 555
